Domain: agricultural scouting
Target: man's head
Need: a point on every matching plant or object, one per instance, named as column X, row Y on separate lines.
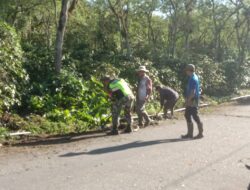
column 106, row 79
column 142, row 71
column 190, row 69
column 158, row 88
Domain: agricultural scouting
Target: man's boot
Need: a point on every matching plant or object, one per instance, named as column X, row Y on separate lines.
column 114, row 131
column 148, row 121
column 165, row 116
column 140, row 123
column 189, row 134
column 128, row 129
column 200, row 129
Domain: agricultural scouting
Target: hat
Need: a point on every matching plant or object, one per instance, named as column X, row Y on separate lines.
column 190, row 67
column 142, row 68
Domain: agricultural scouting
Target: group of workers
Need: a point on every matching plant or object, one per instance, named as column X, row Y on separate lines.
column 122, row 97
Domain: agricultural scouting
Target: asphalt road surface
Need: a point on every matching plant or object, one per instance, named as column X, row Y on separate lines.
column 154, row 158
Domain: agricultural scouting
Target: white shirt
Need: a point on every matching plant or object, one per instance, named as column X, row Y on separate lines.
column 142, row 88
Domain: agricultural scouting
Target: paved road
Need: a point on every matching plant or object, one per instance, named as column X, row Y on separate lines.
column 150, row 159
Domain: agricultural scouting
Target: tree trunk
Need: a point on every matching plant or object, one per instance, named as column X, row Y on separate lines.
column 55, row 11
column 216, row 33
column 172, row 34
column 121, row 15
column 60, row 34
column 189, row 5
column 67, row 6
column 151, row 35
column 126, row 32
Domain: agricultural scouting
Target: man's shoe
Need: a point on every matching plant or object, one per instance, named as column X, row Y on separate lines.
column 136, row 128
column 187, row 136
column 113, row 132
column 199, row 136
column 141, row 126
column 127, row 130
column 200, row 128
column 147, row 123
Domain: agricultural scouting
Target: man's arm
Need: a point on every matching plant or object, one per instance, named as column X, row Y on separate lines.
column 149, row 88
column 161, row 103
column 108, row 91
column 191, row 95
column 162, row 100
column 189, row 99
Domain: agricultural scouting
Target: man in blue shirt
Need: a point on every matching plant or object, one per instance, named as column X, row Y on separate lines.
column 192, row 96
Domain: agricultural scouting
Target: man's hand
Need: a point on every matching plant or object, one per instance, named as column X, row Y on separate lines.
column 189, row 102
column 190, row 98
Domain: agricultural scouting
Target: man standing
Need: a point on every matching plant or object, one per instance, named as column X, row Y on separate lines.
column 144, row 90
column 192, row 96
column 121, row 97
column 168, row 99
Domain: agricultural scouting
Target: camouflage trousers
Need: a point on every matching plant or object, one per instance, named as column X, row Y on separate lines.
column 126, row 103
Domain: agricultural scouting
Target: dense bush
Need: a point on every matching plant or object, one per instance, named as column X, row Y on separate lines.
column 12, row 74
column 68, row 98
column 236, row 74
column 96, row 43
column 170, row 73
column 212, row 79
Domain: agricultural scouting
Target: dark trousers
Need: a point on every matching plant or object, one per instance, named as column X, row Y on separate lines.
column 192, row 112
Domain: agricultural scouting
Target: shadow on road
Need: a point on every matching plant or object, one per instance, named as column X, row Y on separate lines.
column 135, row 144
column 58, row 140
column 248, row 167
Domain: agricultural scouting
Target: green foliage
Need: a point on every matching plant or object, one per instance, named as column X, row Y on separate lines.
column 128, row 69
column 3, row 132
column 69, row 99
column 65, row 98
column 170, row 73
column 38, row 63
column 12, row 74
column 165, row 40
column 235, row 74
column 40, row 125
column 212, row 79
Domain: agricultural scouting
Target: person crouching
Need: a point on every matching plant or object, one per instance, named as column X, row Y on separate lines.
column 168, row 99
column 121, row 96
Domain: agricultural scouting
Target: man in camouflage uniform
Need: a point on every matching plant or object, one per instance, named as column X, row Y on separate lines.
column 121, row 97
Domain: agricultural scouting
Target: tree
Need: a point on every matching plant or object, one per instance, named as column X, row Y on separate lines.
column 145, row 10
column 120, row 9
column 242, row 28
column 66, row 8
